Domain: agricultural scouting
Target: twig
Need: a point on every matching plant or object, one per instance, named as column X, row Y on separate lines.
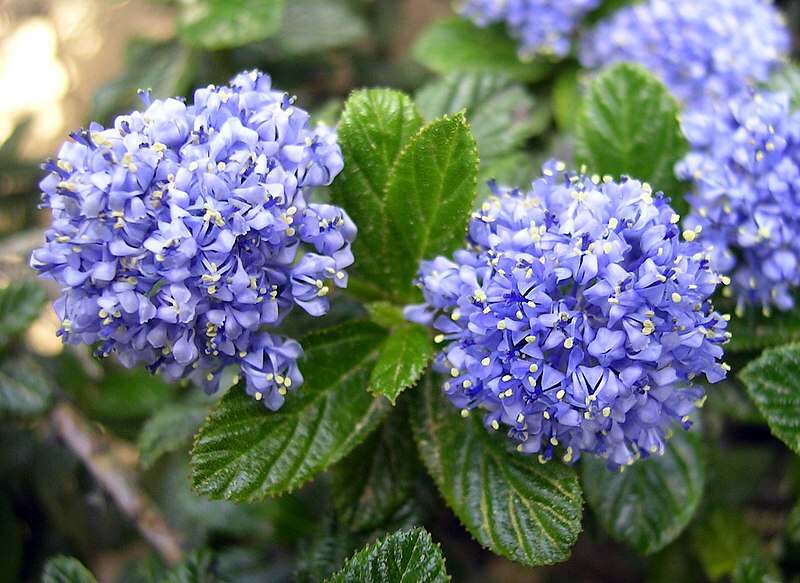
column 109, row 461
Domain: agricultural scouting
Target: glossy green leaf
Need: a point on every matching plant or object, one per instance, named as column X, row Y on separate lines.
column 629, row 126
column 25, row 388
column 429, row 198
column 244, row 452
column 513, row 505
column 773, row 383
column 459, row 45
column 372, row 483
column 403, row 359
column 168, row 430
column 314, row 26
column 66, row 570
column 221, row 24
column 721, row 540
column 375, row 126
column 20, row 304
column 404, row 556
column 649, row 503
column 753, row 331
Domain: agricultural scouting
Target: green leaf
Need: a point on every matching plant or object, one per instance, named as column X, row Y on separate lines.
column 372, row 483
column 12, row 541
column 386, row 314
column 721, row 539
column 222, row 24
column 66, row 570
column 197, row 567
column 403, row 359
column 753, row 331
column 375, row 126
column 567, row 98
column 513, row 505
column 649, row 503
column 429, row 198
column 459, row 45
column 244, row 452
column 629, row 125
column 168, row 430
column 314, row 26
column 787, row 79
column 20, row 304
column 24, row 387
column 755, row 569
column 502, row 114
column 773, row 383
column 409, row 555
column 126, row 394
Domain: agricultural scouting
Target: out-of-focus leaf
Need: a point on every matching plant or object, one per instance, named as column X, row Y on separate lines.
column 374, row 481
column 403, row 359
column 20, row 304
column 721, row 539
column 730, row 398
column 10, row 541
column 244, row 452
column 755, row 570
column 727, row 465
column 629, row 126
column 66, row 570
column 314, row 26
column 753, row 331
column 195, row 568
column 511, row 504
column 409, row 555
column 127, row 394
column 567, row 98
column 222, row 24
column 24, row 387
column 324, row 553
column 650, row 503
column 166, row 68
column 253, row 565
column 773, row 382
column 459, row 45
column 787, row 79
column 168, row 430
column 517, row 170
column 386, row 314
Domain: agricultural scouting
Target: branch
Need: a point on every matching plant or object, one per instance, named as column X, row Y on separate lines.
column 109, row 461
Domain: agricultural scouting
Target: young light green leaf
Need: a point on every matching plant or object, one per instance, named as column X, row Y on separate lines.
column 567, row 98
column 372, row 483
column 24, row 387
column 787, row 79
column 459, row 45
column 650, row 503
column 409, row 555
column 773, row 383
column 403, row 359
column 429, row 198
column 314, row 26
column 513, row 505
column 629, row 125
column 222, row 24
column 66, row 570
column 168, row 430
column 20, row 304
column 244, row 452
column 375, row 126
column 753, row 331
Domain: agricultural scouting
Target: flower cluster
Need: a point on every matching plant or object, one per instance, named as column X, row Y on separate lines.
column 178, row 234
column 577, row 316
column 745, row 165
column 702, row 50
column 539, row 25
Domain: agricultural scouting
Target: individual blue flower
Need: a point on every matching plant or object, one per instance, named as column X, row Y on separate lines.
column 745, row 168
column 182, row 236
column 704, row 51
column 577, row 318
column 540, row 26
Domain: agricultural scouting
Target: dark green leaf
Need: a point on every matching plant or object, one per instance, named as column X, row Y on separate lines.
column 629, row 126
column 403, row 359
column 429, row 198
column 220, row 24
column 20, row 304
column 459, row 45
column 773, row 382
column 10, row 540
column 244, row 452
column 755, row 569
column 513, row 505
column 313, row 26
column 409, row 555
column 66, row 570
column 168, row 430
column 721, row 540
column 754, row 331
column 374, row 481
column 325, row 552
column 126, row 394
column 375, row 126
column 648, row 504
column 195, row 568
column 24, row 387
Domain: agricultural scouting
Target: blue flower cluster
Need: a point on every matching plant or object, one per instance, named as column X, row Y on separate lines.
column 577, row 316
column 745, row 165
column 540, row 26
column 182, row 231
column 703, row 50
